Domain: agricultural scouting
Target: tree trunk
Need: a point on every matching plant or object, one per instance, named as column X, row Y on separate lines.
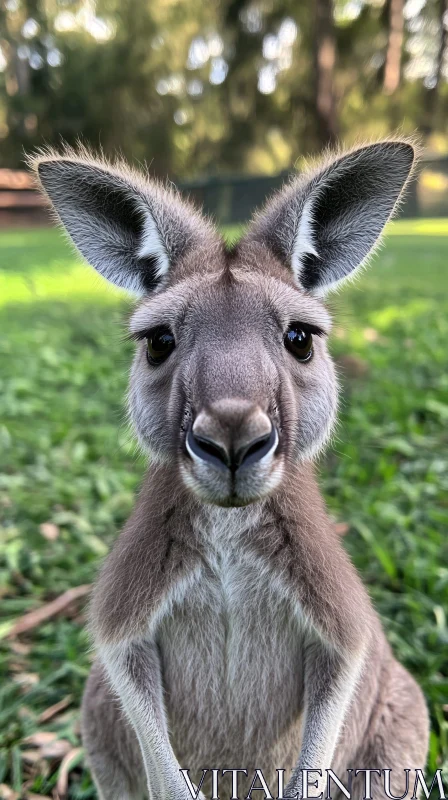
column 324, row 64
column 443, row 17
column 392, row 67
column 432, row 93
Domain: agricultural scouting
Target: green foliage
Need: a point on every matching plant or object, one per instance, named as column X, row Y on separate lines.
column 387, row 475
column 67, row 458
column 198, row 88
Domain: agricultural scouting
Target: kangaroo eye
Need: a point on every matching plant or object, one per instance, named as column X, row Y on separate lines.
column 160, row 344
column 299, row 342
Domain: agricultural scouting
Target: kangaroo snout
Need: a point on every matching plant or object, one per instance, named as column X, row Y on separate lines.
column 232, row 434
column 230, row 453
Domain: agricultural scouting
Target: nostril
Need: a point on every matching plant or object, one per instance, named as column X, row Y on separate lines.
column 207, row 450
column 256, row 450
column 211, row 448
column 253, row 448
column 230, row 444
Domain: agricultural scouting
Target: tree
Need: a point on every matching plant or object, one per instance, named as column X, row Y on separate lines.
column 198, row 88
column 324, row 65
column 392, row 67
column 434, row 82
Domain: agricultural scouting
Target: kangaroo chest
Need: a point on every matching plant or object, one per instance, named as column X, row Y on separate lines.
column 231, row 655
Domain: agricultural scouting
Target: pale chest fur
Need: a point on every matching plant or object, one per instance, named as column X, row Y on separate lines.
column 231, row 651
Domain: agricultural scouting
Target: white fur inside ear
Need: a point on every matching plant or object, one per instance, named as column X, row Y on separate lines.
column 153, row 245
column 304, row 239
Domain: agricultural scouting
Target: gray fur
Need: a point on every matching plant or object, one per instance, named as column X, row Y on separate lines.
column 231, row 628
column 129, row 228
column 349, row 201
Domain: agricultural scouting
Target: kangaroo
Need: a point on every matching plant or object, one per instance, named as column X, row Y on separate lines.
column 231, row 629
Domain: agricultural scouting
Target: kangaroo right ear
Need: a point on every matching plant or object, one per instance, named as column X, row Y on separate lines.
column 131, row 229
column 325, row 223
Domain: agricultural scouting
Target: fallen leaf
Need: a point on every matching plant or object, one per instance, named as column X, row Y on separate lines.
column 47, row 746
column 31, row 756
column 26, row 679
column 20, row 648
column 30, row 796
column 25, row 713
column 49, row 531
column 70, row 761
column 341, row 528
column 35, row 618
column 17, row 666
column 54, row 710
column 56, row 750
column 40, row 738
column 6, row 793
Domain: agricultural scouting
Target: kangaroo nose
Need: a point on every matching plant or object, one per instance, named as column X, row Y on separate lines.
column 231, row 434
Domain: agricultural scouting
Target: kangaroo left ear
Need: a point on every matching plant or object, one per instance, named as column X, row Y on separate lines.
column 131, row 229
column 324, row 224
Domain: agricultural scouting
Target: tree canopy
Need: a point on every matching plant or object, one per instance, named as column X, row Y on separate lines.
column 196, row 88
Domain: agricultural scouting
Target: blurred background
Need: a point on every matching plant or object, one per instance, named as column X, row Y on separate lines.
column 210, row 92
column 226, row 99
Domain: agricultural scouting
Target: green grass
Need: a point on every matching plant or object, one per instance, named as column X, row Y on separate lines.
column 66, row 458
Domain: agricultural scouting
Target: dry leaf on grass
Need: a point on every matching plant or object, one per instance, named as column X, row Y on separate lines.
column 35, row 618
column 56, row 751
column 26, row 679
column 56, row 709
column 30, row 796
column 341, row 528
column 49, row 531
column 24, row 712
column 41, row 769
column 40, row 738
column 70, row 761
column 31, row 756
column 17, row 666
column 6, row 793
column 46, row 746
column 20, row 648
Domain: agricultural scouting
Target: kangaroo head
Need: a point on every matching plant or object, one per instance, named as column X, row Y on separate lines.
column 231, row 378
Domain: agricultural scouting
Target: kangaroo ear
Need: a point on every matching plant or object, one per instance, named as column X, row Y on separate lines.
column 130, row 229
column 325, row 223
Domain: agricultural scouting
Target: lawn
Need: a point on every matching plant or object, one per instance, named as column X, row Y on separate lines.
column 69, row 471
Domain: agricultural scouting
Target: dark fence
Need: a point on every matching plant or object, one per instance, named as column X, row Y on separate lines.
column 230, row 199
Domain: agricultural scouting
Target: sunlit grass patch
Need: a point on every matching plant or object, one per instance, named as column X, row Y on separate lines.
column 38, row 264
column 45, row 268
column 419, row 227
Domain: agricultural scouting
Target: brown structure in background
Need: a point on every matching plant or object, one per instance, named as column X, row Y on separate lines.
column 229, row 199
column 19, row 201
